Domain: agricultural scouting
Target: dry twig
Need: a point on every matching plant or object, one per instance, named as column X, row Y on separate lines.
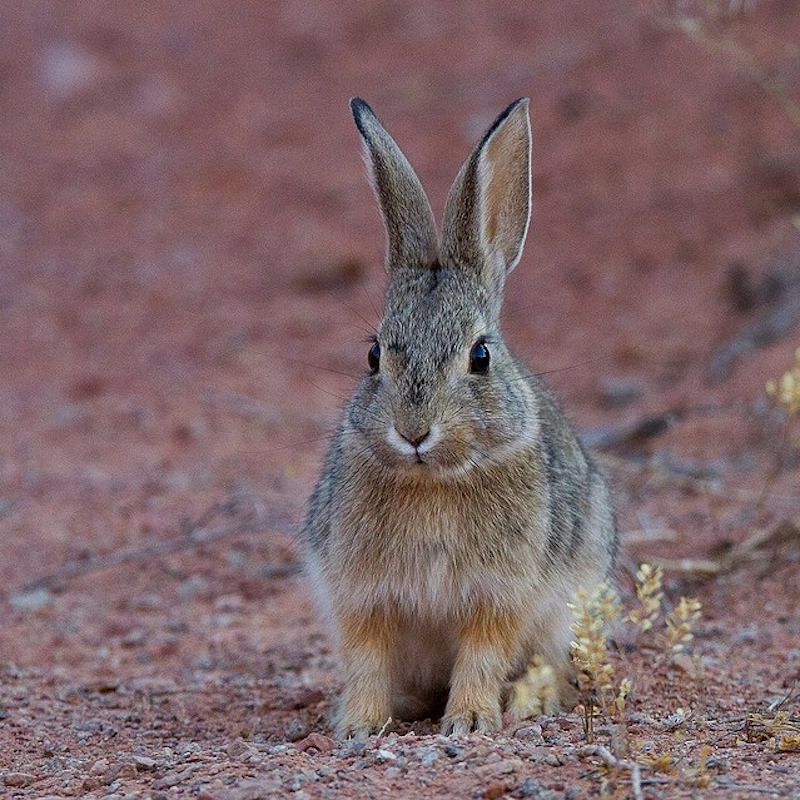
column 193, row 533
column 611, row 761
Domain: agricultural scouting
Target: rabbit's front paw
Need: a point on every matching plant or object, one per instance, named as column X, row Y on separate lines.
column 360, row 715
column 354, row 729
column 462, row 723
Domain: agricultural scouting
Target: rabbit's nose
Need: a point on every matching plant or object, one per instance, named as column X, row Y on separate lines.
column 415, row 440
column 413, row 434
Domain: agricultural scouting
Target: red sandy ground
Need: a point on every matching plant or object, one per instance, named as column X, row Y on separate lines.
column 190, row 260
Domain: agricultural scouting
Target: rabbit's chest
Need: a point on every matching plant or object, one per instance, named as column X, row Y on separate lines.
column 435, row 573
column 435, row 556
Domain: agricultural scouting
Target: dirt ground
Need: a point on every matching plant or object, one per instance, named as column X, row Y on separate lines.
column 190, row 259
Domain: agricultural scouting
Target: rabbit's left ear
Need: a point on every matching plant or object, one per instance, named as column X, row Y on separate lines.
column 489, row 206
column 407, row 216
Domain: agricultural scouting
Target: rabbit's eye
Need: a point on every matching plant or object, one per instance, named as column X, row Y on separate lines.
column 479, row 359
column 374, row 358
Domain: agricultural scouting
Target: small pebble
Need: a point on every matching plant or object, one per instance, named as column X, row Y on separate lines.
column 237, row 748
column 453, row 750
column 318, row 741
column 30, row 599
column 429, row 759
column 144, row 763
column 530, row 733
column 296, row 730
column 174, row 778
column 100, row 767
column 495, row 790
column 530, row 787
column 18, row 780
column 356, row 748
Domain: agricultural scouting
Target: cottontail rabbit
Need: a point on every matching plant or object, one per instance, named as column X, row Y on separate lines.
column 457, row 513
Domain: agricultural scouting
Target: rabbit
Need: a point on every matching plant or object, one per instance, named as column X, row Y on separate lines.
column 457, row 513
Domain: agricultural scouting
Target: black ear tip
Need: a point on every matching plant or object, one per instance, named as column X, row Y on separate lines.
column 359, row 107
column 509, row 109
column 522, row 102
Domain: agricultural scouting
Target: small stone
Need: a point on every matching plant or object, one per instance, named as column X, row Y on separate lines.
column 100, row 767
column 530, row 787
column 356, row 748
column 452, row 750
column 31, row 599
column 382, row 756
column 144, row 763
column 498, row 766
column 125, row 770
column 530, row 733
column 539, row 753
column 296, row 730
column 174, row 778
column 495, row 790
column 318, row 741
column 238, row 748
column 18, row 780
column 429, row 759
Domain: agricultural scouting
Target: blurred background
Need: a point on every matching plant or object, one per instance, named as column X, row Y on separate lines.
column 191, row 258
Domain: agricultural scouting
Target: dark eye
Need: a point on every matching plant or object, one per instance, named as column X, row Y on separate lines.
column 479, row 359
column 374, row 358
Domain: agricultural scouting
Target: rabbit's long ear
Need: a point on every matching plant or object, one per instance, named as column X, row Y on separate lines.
column 489, row 206
column 407, row 215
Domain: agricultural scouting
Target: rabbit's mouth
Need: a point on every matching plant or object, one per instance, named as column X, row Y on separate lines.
column 430, row 452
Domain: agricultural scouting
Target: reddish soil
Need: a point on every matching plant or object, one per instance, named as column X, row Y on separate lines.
column 189, row 260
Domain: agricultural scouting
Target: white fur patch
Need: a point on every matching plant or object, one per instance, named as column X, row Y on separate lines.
column 405, row 448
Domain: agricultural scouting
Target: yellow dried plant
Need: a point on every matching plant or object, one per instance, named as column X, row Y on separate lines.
column 680, row 624
column 594, row 615
column 786, row 390
column 650, row 593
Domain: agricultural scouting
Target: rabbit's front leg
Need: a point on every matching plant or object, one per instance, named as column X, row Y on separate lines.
column 487, row 647
column 366, row 642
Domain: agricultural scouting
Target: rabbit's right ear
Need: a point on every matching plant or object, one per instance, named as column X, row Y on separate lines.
column 489, row 206
column 407, row 215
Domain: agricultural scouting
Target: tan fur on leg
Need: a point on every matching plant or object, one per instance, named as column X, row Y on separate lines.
column 486, row 650
column 366, row 704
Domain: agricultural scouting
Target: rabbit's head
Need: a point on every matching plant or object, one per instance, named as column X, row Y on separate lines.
column 443, row 394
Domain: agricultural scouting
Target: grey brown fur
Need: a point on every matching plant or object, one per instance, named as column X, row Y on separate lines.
column 457, row 514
